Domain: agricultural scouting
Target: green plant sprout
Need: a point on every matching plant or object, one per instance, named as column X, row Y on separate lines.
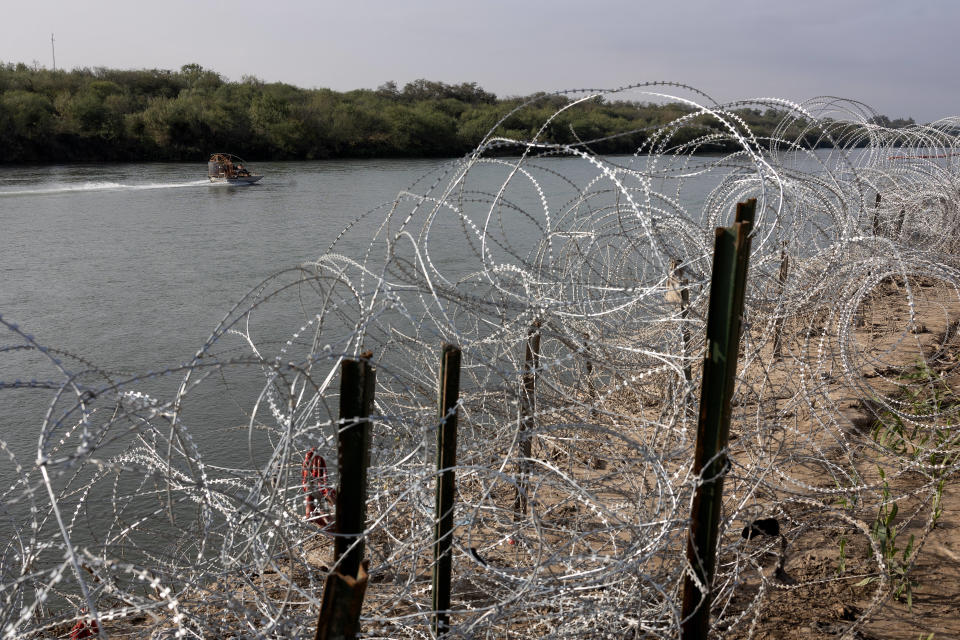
column 884, row 531
column 925, row 394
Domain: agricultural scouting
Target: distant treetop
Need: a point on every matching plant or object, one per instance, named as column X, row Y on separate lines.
column 157, row 114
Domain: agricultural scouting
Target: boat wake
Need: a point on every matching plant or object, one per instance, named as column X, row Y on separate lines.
column 98, row 186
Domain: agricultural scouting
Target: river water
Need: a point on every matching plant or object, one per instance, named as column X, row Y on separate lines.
column 127, row 269
column 132, row 266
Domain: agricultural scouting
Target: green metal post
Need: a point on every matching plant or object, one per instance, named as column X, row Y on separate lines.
column 727, row 289
column 446, row 488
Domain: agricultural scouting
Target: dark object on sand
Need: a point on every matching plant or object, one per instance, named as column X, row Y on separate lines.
column 763, row 526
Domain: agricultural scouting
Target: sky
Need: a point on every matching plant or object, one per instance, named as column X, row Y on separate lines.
column 899, row 57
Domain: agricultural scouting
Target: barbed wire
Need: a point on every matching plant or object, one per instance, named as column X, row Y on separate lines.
column 171, row 503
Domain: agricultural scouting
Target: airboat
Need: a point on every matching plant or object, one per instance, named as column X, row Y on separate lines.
column 227, row 168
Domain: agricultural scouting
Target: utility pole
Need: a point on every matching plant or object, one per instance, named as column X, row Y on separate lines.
column 54, row 51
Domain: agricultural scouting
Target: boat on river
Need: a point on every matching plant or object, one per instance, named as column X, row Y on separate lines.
column 224, row 167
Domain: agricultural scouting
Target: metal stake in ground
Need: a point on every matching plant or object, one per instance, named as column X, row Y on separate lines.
column 678, row 293
column 358, row 381
column 531, row 360
column 731, row 254
column 778, row 323
column 876, row 216
column 446, row 461
column 344, row 589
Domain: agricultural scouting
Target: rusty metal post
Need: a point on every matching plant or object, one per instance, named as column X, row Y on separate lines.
column 588, row 374
column 340, row 608
column 446, row 487
column 531, row 360
column 778, row 323
column 727, row 291
column 685, row 329
column 678, row 293
column 876, row 215
column 358, row 382
column 345, row 587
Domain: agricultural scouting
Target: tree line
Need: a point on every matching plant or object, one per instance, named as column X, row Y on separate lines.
column 141, row 115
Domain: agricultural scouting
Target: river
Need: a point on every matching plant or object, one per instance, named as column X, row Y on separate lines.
column 131, row 266
column 123, row 270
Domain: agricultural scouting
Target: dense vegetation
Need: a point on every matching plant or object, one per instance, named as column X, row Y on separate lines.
column 109, row 114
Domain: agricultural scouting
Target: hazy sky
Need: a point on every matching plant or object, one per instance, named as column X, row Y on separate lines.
column 900, row 57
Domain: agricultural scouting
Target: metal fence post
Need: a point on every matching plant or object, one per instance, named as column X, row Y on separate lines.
column 678, row 293
column 345, row 587
column 531, row 360
column 778, row 323
column 727, row 289
column 446, row 488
